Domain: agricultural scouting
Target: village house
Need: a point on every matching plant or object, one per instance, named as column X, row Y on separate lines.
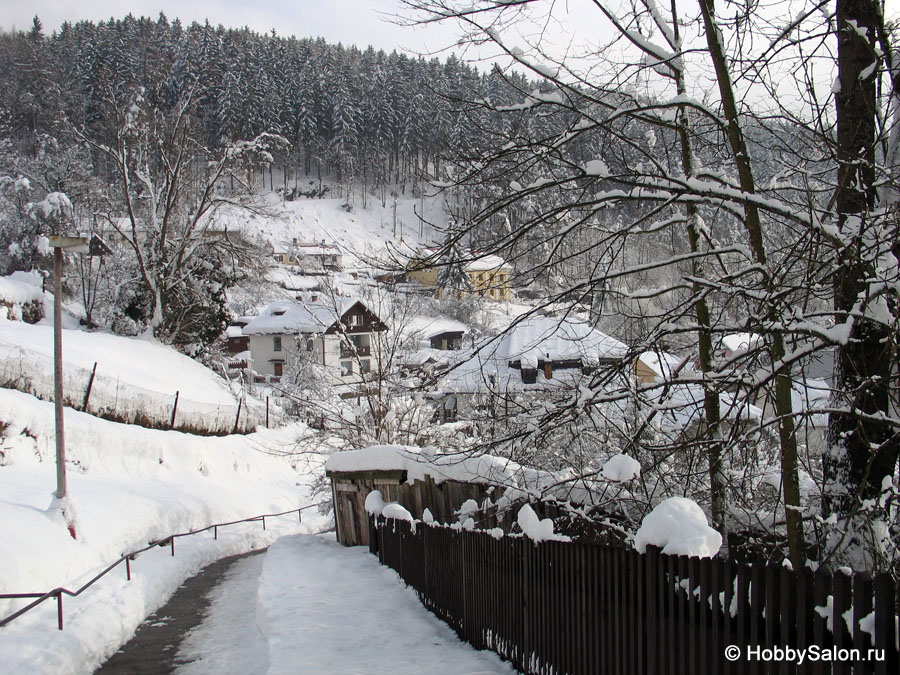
column 489, row 276
column 337, row 333
column 310, row 257
column 538, row 355
column 431, row 342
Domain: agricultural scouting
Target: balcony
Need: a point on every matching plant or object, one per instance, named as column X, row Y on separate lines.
column 347, row 351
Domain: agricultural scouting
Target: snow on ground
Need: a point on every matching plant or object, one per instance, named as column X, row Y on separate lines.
column 324, row 608
column 359, row 232
column 137, row 362
column 228, row 641
column 129, row 486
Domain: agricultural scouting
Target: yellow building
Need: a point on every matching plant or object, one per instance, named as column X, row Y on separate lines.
column 489, row 277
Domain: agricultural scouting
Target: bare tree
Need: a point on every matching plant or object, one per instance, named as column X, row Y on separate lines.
column 737, row 216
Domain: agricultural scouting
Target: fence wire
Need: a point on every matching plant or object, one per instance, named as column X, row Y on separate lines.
column 110, row 398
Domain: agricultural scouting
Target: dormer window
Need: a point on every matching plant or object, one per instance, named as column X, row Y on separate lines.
column 278, row 312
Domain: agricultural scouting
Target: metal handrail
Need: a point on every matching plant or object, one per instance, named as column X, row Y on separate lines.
column 127, row 558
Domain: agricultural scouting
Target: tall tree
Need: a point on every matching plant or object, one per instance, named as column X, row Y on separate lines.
column 863, row 438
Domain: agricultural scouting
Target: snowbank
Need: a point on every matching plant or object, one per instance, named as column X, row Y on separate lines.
column 679, row 527
column 129, row 486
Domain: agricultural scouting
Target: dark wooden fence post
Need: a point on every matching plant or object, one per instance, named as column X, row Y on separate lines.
column 174, row 410
column 237, row 418
column 651, row 608
column 87, row 393
column 885, row 624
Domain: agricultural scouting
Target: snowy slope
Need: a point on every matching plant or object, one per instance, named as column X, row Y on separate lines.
column 128, row 485
column 137, row 362
column 360, row 232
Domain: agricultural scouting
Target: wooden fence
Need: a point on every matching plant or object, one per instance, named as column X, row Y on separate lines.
column 558, row 607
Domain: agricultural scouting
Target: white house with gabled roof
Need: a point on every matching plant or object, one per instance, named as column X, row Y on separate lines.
column 537, row 355
column 337, row 333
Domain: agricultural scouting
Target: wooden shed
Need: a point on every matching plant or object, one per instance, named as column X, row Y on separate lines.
column 442, row 498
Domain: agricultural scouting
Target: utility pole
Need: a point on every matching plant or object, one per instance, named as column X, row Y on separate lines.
column 74, row 245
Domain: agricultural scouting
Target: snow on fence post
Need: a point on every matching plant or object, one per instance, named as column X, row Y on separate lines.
column 87, row 393
column 174, row 410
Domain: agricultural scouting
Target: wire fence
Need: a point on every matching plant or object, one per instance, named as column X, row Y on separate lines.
column 110, row 398
column 59, row 592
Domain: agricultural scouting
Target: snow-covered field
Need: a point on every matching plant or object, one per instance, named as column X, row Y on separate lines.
column 128, row 486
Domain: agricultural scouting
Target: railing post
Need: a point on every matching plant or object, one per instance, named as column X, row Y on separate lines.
column 59, row 611
column 128, row 568
column 172, row 543
column 215, row 531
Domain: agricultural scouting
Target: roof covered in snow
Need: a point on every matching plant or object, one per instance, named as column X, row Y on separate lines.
column 488, row 263
column 287, row 317
column 662, row 363
column 495, row 363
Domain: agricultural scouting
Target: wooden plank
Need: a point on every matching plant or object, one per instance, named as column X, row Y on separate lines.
column 787, row 617
column 693, row 611
column 862, row 605
column 821, row 634
column 841, row 590
column 885, row 625
column 682, row 626
column 652, row 609
column 392, row 475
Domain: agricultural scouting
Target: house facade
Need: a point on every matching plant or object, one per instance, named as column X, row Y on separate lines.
column 489, row 277
column 337, row 333
column 309, row 256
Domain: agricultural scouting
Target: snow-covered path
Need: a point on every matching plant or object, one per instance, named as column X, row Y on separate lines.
column 228, row 641
column 310, row 605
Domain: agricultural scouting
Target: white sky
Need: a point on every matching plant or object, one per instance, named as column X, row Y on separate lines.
column 346, row 21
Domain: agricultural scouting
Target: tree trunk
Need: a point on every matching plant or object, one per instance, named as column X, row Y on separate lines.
column 783, row 409
column 862, row 449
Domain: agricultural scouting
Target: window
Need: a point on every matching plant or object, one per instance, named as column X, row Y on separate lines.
column 279, row 368
column 310, row 345
column 346, row 368
column 364, row 366
column 276, row 343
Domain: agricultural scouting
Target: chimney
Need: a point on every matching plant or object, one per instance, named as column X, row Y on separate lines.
column 548, row 370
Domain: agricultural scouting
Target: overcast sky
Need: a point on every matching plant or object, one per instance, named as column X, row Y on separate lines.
column 346, row 21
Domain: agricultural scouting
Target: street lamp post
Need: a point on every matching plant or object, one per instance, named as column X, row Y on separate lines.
column 59, row 245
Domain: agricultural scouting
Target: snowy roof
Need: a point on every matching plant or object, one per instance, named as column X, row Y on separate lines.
column 308, row 248
column 287, row 317
column 428, row 327
column 681, row 406
column 488, row 366
column 662, row 363
column 423, row 356
column 487, row 263
column 519, row 481
column 740, row 342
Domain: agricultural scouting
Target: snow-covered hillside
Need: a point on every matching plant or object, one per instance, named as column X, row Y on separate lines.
column 359, row 233
column 128, row 486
